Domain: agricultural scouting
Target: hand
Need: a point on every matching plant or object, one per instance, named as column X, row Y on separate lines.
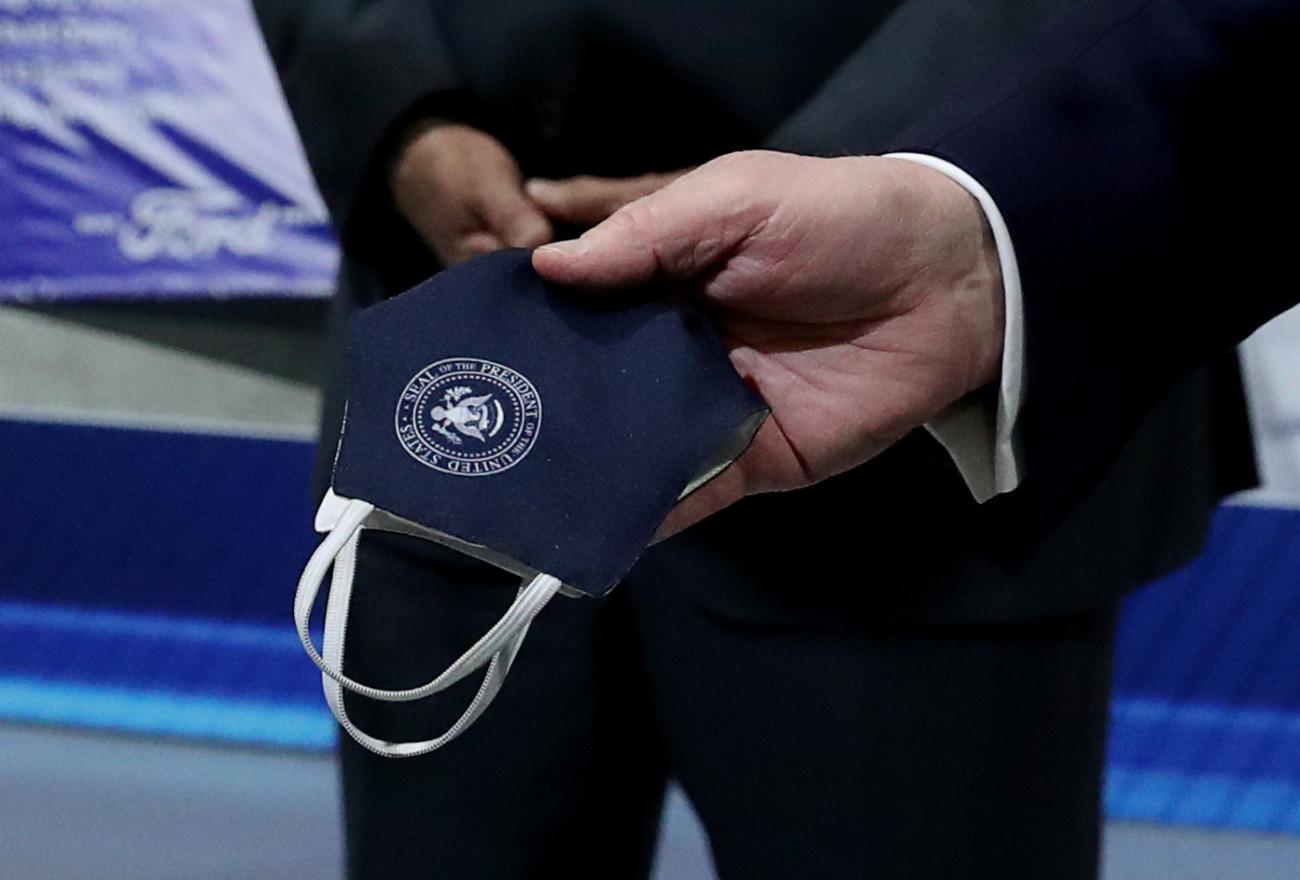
column 861, row 296
column 586, row 201
column 462, row 192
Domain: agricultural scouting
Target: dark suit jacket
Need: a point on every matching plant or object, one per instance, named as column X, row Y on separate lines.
column 1129, row 151
column 616, row 87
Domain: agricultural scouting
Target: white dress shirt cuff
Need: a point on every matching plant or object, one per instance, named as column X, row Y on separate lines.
column 979, row 431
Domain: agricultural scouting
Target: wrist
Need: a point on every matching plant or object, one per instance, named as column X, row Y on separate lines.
column 972, row 281
column 983, row 300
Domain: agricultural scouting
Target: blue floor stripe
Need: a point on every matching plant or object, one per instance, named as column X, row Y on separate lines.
column 166, row 714
column 156, row 653
column 1217, row 766
column 77, row 621
column 1262, row 805
column 1203, row 739
column 1133, row 794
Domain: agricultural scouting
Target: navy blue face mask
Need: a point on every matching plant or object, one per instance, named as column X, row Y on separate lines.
column 544, row 432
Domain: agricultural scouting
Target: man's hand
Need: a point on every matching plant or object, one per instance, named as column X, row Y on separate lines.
column 860, row 296
column 586, row 200
column 462, row 192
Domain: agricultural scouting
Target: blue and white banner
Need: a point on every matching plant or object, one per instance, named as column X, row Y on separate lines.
column 146, row 151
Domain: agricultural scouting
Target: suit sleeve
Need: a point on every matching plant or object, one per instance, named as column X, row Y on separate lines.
column 354, row 72
column 1134, row 154
column 917, row 55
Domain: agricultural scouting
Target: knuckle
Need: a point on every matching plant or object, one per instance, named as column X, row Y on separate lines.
column 747, row 161
column 628, row 221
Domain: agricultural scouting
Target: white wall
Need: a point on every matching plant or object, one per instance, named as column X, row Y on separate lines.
column 1271, row 359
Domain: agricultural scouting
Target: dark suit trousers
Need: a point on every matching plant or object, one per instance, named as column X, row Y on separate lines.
column 850, row 750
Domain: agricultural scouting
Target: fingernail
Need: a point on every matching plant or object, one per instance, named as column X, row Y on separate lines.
column 568, row 250
column 539, row 188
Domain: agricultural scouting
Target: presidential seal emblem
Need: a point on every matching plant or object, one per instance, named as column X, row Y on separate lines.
column 468, row 417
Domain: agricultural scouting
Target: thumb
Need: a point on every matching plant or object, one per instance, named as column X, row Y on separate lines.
column 678, row 232
column 719, row 493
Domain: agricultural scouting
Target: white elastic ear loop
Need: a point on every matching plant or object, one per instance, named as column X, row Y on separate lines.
column 527, row 604
column 336, row 622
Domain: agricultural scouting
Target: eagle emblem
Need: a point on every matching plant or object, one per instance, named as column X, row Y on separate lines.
column 479, row 417
column 468, row 417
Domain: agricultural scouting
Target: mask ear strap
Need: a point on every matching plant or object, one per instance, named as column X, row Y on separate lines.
column 336, row 622
column 527, row 604
column 496, row 648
